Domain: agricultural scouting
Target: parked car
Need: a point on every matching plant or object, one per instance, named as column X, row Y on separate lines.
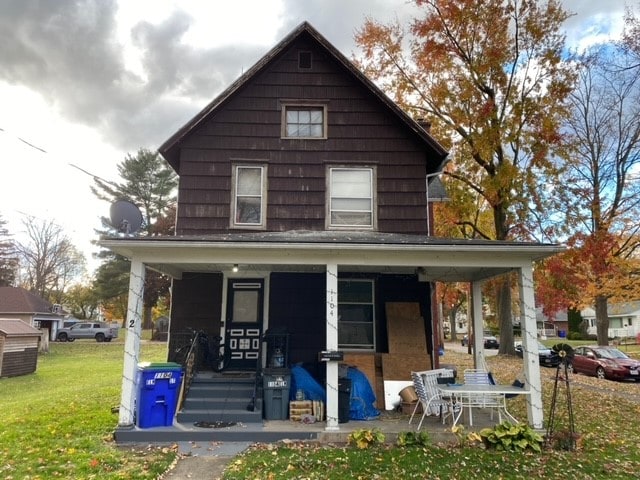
column 547, row 357
column 490, row 341
column 100, row 331
column 604, row 362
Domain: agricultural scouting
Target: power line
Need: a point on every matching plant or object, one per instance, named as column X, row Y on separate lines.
column 25, row 141
column 96, row 177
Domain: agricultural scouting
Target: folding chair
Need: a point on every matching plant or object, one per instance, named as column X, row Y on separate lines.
column 429, row 396
column 478, row 376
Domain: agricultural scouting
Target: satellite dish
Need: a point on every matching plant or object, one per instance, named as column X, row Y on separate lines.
column 125, row 217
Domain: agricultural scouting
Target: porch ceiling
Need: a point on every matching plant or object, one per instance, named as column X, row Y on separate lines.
column 434, row 259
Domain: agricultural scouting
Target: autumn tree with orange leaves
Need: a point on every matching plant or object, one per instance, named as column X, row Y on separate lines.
column 490, row 76
column 603, row 180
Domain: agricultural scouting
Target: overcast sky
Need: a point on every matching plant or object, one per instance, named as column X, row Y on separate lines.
column 84, row 82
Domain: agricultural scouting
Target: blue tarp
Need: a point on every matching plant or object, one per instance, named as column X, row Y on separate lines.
column 302, row 380
column 362, row 396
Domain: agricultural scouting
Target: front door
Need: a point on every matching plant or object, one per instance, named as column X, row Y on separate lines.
column 243, row 332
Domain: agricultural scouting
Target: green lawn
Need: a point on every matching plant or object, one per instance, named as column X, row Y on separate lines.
column 57, row 422
column 606, row 413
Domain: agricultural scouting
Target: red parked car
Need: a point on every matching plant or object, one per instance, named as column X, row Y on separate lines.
column 604, row 362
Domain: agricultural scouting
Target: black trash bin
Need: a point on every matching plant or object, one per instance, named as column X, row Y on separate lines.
column 344, row 399
column 276, row 386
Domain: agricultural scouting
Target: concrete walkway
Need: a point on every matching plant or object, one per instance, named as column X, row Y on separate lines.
column 205, row 461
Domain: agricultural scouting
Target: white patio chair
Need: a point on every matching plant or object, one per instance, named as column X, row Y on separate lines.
column 429, row 396
column 478, row 376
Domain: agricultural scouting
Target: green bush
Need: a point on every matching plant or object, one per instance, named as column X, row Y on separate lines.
column 366, row 437
column 410, row 439
column 509, row 437
column 574, row 336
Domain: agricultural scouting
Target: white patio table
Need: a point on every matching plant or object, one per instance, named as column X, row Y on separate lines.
column 464, row 396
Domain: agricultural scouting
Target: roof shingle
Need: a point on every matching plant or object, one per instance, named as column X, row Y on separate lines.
column 19, row 300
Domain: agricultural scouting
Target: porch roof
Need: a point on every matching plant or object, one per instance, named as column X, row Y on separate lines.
column 434, row 258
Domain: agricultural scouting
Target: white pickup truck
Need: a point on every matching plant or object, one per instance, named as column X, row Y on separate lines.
column 101, row 331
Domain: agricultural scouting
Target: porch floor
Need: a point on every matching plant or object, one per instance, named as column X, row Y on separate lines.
column 389, row 422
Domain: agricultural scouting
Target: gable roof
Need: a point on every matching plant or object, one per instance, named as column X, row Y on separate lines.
column 615, row 309
column 17, row 328
column 170, row 148
column 559, row 316
column 19, row 300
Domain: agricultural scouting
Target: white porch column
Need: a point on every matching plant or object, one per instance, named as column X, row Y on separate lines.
column 530, row 360
column 478, row 325
column 332, row 344
column 132, row 343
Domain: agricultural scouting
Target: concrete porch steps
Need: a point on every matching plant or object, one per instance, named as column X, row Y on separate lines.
column 221, row 398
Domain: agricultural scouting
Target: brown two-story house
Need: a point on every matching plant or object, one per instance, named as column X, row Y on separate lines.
column 303, row 209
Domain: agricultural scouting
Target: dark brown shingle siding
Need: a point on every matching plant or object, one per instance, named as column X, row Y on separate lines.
column 247, row 128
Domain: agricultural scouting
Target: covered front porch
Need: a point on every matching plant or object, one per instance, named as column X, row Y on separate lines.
column 330, row 254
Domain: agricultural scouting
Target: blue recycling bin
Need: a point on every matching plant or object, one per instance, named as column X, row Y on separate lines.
column 158, row 388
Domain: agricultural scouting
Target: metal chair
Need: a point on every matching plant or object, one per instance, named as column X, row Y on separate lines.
column 478, row 376
column 429, row 396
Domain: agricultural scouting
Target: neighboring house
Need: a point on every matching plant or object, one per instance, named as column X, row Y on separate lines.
column 558, row 325
column 624, row 319
column 18, row 303
column 303, row 208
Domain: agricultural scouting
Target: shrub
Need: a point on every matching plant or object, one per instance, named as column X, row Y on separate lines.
column 574, row 336
column 365, row 438
column 410, row 439
column 508, row 437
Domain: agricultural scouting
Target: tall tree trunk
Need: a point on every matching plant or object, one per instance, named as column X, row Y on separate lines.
column 147, row 322
column 452, row 323
column 503, row 296
column 602, row 320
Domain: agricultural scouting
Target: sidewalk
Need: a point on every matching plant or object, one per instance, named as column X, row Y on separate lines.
column 204, row 461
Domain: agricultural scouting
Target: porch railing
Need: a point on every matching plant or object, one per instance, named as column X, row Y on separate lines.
column 258, row 381
column 188, row 356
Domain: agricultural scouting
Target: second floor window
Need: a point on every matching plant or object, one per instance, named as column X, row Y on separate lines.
column 249, row 196
column 351, row 197
column 304, row 121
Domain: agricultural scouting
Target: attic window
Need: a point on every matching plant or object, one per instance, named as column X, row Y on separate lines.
column 304, row 121
column 304, row 60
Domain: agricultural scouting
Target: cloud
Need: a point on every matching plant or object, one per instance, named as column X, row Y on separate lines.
column 68, row 51
column 73, row 54
column 593, row 21
column 338, row 20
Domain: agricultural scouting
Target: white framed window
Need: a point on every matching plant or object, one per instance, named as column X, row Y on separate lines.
column 356, row 314
column 351, row 198
column 248, row 196
column 304, row 121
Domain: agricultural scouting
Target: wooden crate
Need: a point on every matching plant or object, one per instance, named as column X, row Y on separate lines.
column 298, row 408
